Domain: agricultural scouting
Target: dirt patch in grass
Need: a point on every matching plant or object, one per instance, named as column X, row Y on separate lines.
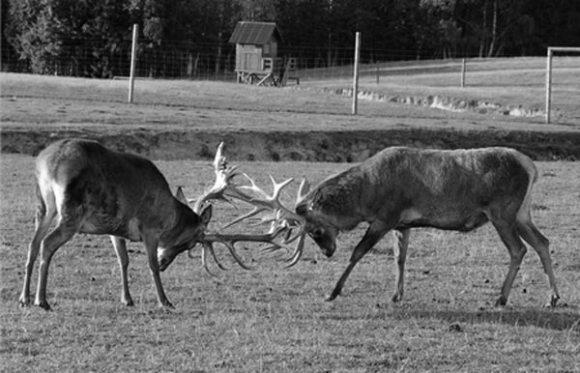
column 336, row 146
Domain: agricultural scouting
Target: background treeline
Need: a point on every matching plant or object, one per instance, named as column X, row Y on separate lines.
column 184, row 37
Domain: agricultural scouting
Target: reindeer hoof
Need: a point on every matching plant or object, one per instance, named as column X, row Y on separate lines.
column 44, row 305
column 128, row 302
column 24, row 302
column 332, row 296
column 397, row 298
column 167, row 305
column 553, row 301
column 501, row 301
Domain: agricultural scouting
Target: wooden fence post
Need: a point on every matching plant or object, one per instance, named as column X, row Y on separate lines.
column 463, row 73
column 548, row 85
column 133, row 61
column 355, row 78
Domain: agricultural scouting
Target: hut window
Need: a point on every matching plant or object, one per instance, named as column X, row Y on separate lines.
column 267, row 48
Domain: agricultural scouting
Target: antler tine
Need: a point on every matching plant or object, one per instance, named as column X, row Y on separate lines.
column 279, row 186
column 219, row 161
column 223, row 175
column 275, row 194
column 215, row 258
column 237, row 258
column 208, row 247
column 204, row 261
column 302, row 190
column 299, row 250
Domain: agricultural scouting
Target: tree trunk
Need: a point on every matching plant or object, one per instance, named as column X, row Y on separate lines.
column 218, row 58
column 329, row 51
column 493, row 29
column 483, row 41
column 189, row 70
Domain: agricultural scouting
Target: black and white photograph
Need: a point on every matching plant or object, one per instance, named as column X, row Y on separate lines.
column 290, row 186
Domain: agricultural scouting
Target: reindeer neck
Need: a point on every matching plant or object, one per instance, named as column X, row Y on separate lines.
column 339, row 198
column 182, row 219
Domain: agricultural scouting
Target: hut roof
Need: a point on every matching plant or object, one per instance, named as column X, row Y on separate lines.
column 254, row 32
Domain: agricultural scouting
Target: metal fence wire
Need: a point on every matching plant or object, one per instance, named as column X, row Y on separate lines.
column 105, row 59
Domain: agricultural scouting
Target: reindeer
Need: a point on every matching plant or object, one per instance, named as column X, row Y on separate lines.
column 402, row 188
column 83, row 187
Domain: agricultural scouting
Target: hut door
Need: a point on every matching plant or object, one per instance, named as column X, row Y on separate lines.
column 249, row 58
column 251, row 61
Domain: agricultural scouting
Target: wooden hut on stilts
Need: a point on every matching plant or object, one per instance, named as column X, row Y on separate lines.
column 257, row 60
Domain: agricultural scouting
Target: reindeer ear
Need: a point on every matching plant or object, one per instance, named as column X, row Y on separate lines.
column 206, row 215
column 180, row 196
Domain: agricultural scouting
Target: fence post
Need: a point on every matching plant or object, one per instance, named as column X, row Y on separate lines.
column 463, row 73
column 548, row 84
column 133, row 61
column 378, row 74
column 355, row 78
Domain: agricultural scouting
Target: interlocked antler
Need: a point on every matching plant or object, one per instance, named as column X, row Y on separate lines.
column 283, row 221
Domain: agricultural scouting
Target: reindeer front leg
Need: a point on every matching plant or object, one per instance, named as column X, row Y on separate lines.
column 151, row 244
column 121, row 251
column 400, row 251
column 374, row 233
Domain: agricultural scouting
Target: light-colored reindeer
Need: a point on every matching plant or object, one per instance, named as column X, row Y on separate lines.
column 83, row 187
column 402, row 188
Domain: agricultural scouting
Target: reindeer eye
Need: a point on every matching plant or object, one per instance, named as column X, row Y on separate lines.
column 318, row 232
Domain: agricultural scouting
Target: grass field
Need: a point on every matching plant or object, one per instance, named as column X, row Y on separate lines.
column 509, row 82
column 180, row 119
column 55, row 102
column 274, row 319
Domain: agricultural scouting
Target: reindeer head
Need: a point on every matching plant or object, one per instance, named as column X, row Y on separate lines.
column 190, row 230
column 318, row 227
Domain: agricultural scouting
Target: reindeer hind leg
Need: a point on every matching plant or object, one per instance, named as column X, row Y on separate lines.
column 69, row 218
column 55, row 239
column 528, row 231
column 401, row 245
column 517, row 250
column 45, row 213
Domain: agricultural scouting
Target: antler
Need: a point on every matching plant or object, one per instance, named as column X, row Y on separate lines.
column 282, row 220
column 223, row 175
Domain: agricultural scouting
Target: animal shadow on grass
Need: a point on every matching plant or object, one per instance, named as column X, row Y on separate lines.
column 541, row 318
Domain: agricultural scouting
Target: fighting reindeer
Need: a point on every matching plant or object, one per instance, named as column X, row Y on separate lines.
column 83, row 187
column 402, row 188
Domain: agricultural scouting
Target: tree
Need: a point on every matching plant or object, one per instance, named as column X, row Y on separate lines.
column 33, row 33
column 74, row 37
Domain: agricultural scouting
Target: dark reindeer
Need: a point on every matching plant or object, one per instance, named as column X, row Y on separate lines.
column 402, row 188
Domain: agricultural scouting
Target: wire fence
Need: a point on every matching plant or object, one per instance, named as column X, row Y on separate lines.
column 107, row 59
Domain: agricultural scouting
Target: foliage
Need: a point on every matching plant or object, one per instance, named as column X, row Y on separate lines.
column 92, row 37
